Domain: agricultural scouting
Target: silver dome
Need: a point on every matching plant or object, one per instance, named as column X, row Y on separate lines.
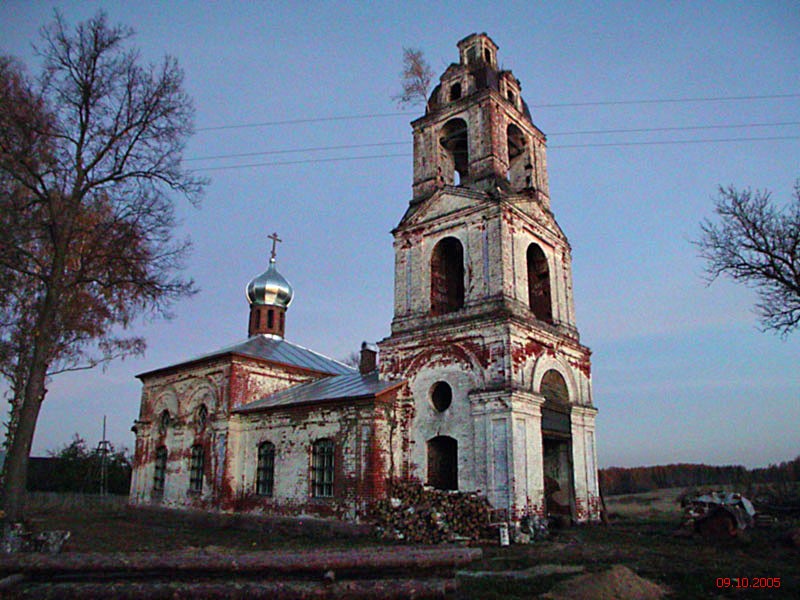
column 270, row 288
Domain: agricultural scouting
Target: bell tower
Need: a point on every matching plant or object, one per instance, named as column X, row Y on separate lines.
column 477, row 130
column 498, row 394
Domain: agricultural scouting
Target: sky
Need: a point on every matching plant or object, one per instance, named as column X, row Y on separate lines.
column 648, row 108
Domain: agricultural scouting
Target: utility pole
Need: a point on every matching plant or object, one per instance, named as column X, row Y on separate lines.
column 103, row 449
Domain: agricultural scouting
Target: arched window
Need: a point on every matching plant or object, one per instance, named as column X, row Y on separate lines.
column 270, row 319
column 322, row 469
column 164, row 421
column 455, row 92
column 202, row 417
column 196, row 466
column 539, row 284
column 517, row 156
column 447, row 276
column 265, row 470
column 443, row 463
column 455, row 145
column 160, row 469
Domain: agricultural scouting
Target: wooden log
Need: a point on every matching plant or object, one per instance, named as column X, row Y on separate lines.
column 265, row 564
column 247, row 590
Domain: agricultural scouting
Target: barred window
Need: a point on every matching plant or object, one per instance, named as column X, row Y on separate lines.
column 265, row 471
column 322, row 469
column 196, row 469
column 160, row 472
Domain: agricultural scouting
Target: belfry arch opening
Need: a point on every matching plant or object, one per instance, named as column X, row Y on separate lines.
column 554, row 388
column 447, row 276
column 539, row 284
column 443, row 463
column 519, row 171
column 455, row 151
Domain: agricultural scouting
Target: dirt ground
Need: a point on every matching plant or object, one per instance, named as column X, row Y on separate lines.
column 640, row 537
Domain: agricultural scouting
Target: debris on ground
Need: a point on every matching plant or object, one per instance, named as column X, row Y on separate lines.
column 617, row 583
column 422, row 514
column 17, row 538
column 718, row 514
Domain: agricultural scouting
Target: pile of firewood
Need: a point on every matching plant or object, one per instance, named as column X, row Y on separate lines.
column 423, row 515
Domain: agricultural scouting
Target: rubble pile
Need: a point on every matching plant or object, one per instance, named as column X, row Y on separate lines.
column 424, row 515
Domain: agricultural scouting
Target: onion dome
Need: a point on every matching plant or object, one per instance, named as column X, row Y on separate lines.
column 270, row 288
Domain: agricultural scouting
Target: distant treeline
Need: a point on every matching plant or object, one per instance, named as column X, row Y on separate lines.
column 620, row 480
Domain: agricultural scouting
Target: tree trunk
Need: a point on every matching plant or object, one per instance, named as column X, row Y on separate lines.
column 15, row 478
column 16, row 464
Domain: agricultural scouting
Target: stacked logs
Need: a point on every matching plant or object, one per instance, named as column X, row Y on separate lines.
column 423, row 515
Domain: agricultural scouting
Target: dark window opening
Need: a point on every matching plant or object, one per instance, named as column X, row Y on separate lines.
column 270, row 318
column 265, row 471
column 164, row 422
column 322, row 469
column 160, row 471
column 487, row 55
column 196, row 468
column 516, row 144
column 443, row 463
column 472, row 55
column 454, row 140
column 447, row 276
column 512, row 97
column 441, row 396
column 455, row 91
column 202, row 417
column 539, row 284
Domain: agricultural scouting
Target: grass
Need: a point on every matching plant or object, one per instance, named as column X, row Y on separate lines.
column 640, row 536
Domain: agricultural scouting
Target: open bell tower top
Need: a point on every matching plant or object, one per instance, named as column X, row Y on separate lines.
column 477, row 130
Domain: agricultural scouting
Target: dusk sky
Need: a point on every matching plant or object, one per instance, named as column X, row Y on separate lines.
column 648, row 108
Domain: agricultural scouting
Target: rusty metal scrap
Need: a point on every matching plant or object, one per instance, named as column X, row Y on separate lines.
column 719, row 514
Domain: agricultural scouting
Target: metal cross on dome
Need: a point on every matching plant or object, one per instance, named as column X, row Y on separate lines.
column 275, row 239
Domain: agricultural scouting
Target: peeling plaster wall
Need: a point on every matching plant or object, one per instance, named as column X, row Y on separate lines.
column 219, row 384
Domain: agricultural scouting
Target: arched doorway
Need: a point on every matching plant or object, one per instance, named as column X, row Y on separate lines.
column 557, row 445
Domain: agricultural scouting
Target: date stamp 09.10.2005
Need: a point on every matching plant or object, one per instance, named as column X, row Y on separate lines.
column 766, row 583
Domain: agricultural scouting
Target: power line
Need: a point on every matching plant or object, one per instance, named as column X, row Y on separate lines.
column 309, row 149
column 565, row 146
column 670, row 142
column 307, row 120
column 667, row 100
column 565, row 133
column 300, row 162
column 678, row 128
column 548, row 105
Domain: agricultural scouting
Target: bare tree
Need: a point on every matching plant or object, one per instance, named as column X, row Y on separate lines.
column 90, row 156
column 758, row 244
column 415, row 79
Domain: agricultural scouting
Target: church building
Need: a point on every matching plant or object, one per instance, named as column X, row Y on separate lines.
column 482, row 385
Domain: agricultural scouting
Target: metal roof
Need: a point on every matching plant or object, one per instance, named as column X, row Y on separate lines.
column 273, row 349
column 353, row 385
